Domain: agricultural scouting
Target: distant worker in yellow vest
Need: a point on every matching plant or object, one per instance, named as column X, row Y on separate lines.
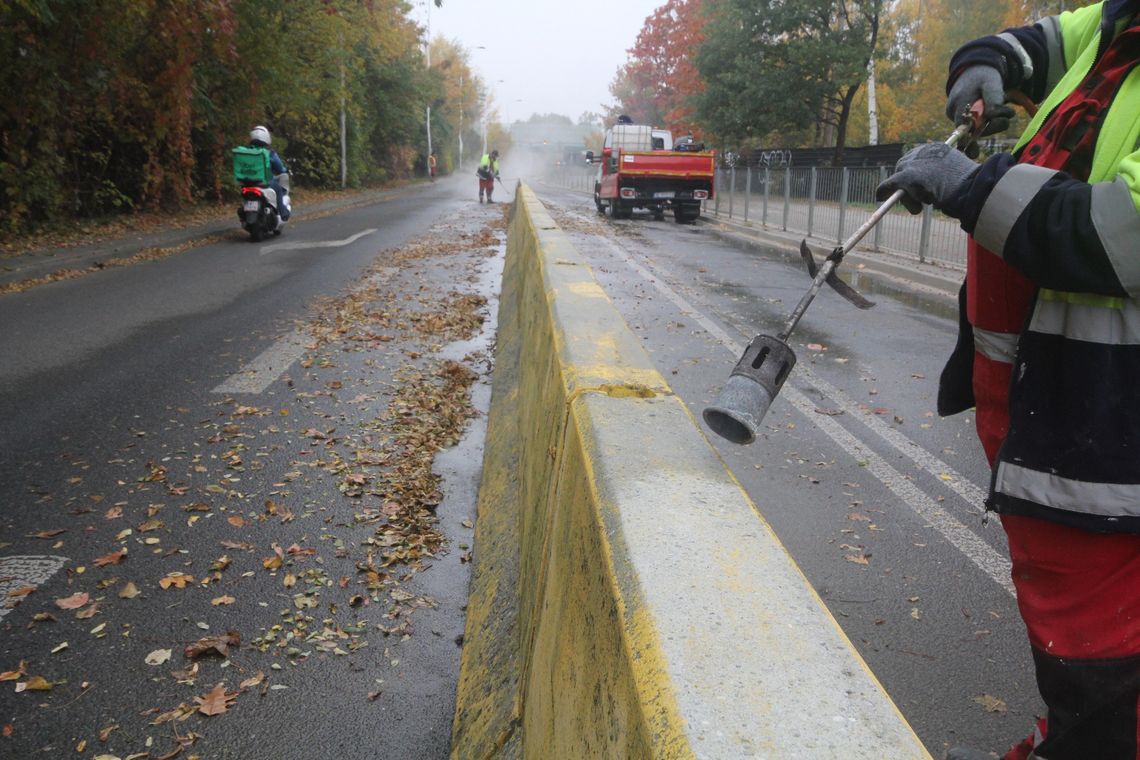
column 488, row 172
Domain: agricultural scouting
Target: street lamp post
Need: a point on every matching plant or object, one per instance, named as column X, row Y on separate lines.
column 461, row 120
column 428, row 108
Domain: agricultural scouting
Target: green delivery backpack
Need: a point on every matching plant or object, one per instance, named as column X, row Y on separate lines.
column 251, row 166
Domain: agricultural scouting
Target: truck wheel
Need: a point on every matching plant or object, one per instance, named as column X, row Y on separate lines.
column 598, row 199
column 687, row 212
column 621, row 210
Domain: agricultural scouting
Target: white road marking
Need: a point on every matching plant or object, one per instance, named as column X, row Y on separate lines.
column 22, row 572
column 966, row 541
column 269, row 365
column 955, row 481
column 301, row 244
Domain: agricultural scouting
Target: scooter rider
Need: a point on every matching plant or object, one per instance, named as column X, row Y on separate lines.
column 1048, row 352
column 488, row 172
column 259, row 137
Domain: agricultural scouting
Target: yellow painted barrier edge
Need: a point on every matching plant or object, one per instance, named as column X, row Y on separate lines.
column 503, row 731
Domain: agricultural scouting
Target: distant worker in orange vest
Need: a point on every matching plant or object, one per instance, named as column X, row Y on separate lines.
column 431, row 167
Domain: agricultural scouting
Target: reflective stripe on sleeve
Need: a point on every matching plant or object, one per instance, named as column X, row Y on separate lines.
column 996, row 346
column 1087, row 317
column 1007, row 201
column 1019, row 51
column 1100, row 499
column 1117, row 224
column 1055, row 50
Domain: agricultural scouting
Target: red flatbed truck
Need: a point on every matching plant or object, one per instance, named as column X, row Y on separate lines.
column 641, row 168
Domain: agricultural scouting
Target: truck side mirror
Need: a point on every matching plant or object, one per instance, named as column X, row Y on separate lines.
column 589, row 156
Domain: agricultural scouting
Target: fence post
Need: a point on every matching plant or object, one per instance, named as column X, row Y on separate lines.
column 882, row 223
column 811, row 203
column 747, row 190
column 842, row 205
column 718, row 187
column 787, row 194
column 924, row 237
column 767, row 185
column 732, row 191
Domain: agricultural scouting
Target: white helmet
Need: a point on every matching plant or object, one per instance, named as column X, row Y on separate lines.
column 262, row 134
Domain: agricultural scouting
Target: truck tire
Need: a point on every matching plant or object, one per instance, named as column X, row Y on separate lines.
column 619, row 210
column 598, row 199
column 686, row 212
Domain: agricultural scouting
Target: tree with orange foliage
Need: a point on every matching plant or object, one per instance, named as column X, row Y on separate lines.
column 925, row 34
column 659, row 82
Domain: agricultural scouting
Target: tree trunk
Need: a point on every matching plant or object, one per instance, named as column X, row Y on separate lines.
column 841, row 127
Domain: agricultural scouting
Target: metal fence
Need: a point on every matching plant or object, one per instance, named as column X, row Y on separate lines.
column 821, row 203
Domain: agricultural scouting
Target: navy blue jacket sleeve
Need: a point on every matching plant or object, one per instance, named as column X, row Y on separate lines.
column 1054, row 241
column 996, row 52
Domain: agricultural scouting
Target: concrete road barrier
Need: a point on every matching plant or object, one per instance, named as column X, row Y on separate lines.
column 628, row 599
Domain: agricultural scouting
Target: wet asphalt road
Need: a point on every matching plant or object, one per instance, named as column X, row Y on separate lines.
column 120, row 433
column 109, row 379
column 877, row 498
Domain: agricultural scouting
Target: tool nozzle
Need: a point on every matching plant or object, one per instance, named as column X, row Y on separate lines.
column 750, row 390
column 738, row 410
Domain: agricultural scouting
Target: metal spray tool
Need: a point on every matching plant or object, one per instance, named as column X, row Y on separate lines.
column 768, row 360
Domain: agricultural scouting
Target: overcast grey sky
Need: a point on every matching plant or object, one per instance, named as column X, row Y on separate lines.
column 553, row 56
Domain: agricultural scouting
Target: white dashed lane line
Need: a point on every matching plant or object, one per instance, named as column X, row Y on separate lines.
column 20, row 573
column 300, row 245
column 269, row 365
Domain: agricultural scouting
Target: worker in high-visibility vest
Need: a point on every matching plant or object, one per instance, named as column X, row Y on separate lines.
column 1049, row 331
column 488, row 172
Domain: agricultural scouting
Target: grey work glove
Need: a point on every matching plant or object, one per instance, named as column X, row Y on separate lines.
column 927, row 174
column 980, row 82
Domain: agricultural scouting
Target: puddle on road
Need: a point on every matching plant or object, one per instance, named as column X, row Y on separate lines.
column 487, row 285
column 460, row 467
column 936, row 303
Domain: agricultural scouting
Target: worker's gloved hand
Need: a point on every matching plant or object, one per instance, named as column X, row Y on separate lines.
column 927, row 174
column 980, row 82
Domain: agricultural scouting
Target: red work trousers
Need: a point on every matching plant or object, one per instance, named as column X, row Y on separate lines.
column 1079, row 594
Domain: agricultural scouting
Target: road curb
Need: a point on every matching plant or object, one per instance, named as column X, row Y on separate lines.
column 889, row 273
column 628, row 599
